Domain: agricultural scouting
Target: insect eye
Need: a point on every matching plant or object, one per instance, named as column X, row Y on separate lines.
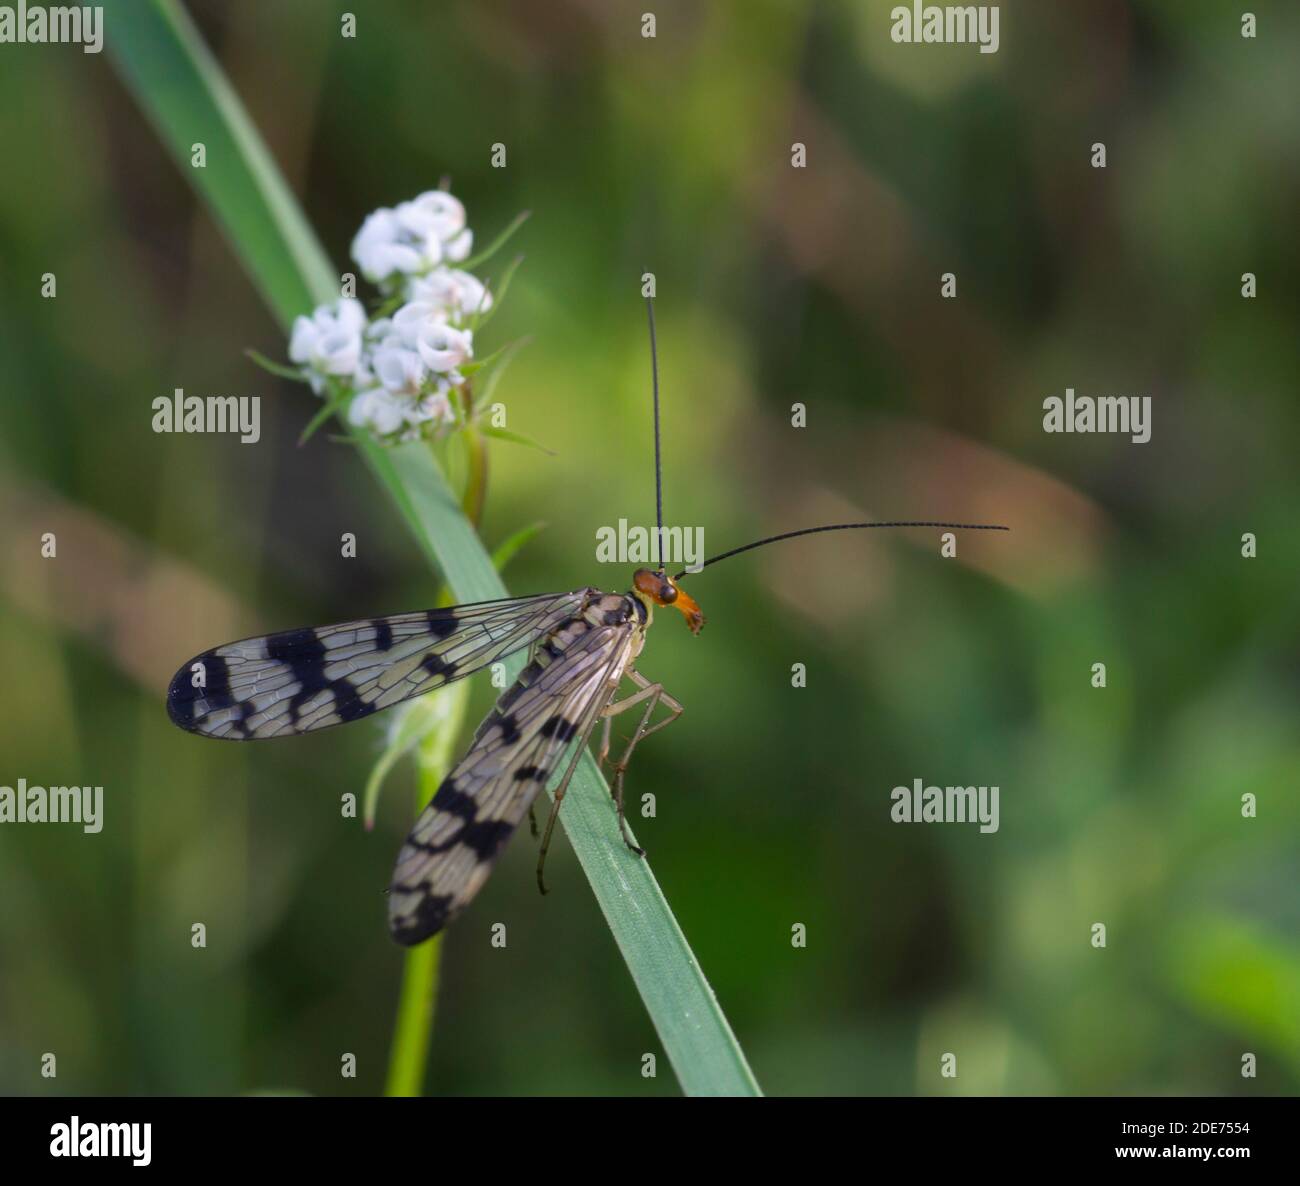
column 667, row 594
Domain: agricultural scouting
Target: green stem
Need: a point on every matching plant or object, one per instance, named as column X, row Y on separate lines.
column 413, row 1026
column 413, row 1029
column 408, row 1059
column 476, row 477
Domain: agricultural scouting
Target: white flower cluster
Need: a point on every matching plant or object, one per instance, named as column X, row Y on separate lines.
column 403, row 370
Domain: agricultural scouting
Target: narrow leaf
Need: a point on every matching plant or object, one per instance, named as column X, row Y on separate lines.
column 481, row 318
column 438, row 715
column 484, row 396
column 499, row 242
column 334, row 404
column 503, row 434
column 508, row 548
column 293, row 374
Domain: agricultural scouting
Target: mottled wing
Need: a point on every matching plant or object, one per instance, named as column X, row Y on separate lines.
column 296, row 681
column 457, row 838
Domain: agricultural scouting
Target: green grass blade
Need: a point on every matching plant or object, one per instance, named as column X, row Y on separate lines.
column 509, row 548
column 179, row 85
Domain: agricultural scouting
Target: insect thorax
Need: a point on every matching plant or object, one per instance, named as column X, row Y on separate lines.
column 614, row 609
column 598, row 611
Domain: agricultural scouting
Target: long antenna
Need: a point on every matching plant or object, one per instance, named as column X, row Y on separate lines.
column 659, row 473
column 771, row 539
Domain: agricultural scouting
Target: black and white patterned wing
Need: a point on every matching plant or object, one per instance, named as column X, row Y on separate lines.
column 459, row 835
column 296, row 681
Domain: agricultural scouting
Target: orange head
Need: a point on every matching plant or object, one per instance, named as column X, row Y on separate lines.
column 659, row 588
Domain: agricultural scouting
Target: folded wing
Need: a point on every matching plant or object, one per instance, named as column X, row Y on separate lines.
column 456, row 840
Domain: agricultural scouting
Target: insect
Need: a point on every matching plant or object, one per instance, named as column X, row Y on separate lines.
column 583, row 645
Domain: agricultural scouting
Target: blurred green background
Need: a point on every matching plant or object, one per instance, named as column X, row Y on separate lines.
column 776, row 285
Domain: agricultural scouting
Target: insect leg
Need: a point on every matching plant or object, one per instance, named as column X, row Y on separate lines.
column 603, row 755
column 654, row 695
column 558, row 798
